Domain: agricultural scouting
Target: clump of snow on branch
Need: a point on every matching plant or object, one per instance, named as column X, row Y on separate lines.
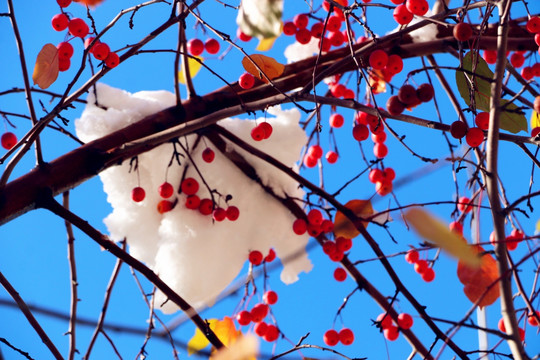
column 296, row 51
column 197, row 257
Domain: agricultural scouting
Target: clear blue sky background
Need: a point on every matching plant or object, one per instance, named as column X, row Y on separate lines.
column 33, row 247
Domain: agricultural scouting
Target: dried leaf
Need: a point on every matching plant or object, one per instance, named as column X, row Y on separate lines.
column 377, row 83
column 266, row 44
column 260, row 18
column 245, row 348
column 46, row 68
column 89, row 2
column 268, row 65
column 224, row 330
column 194, row 67
column 436, row 232
column 478, row 280
column 344, row 227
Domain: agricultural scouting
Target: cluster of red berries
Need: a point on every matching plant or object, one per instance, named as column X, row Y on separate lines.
column 315, row 153
column 8, row 140
column 365, row 123
column 512, row 240
column 339, row 90
column 389, row 328
column 421, row 266
column 405, row 10
column 409, row 97
column 473, row 136
column 336, row 251
column 262, row 131
column 77, row 27
column 315, row 224
column 332, row 337
column 390, row 65
column 383, row 180
column 256, row 257
column 196, row 47
column 533, row 26
column 257, row 314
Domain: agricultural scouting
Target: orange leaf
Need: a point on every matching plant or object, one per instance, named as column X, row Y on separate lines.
column 224, row 330
column 377, row 83
column 46, row 68
column 89, row 2
column 343, row 226
column 478, row 280
column 271, row 68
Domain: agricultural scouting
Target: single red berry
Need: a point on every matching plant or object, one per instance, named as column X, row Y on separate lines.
column 464, row 204
column 101, row 51
column 63, row 64
column 193, row 202
column 482, row 120
column 537, row 39
column 327, row 226
column 384, row 187
column 425, row 92
column 527, row 73
column 417, row 7
column 310, row 161
column 343, row 244
column 394, row 105
column 376, row 175
column 271, row 256
column 428, row 275
column 65, row 50
column 462, row 31
column 391, row 333
column 490, row 56
column 206, row 206
column 233, row 213
column 301, row 21
column 63, row 3
column 533, row 25
column 474, row 137
column 340, row 274
column 331, row 337
column 165, row 190
column 317, row 30
column 501, row 325
column 303, row 36
column 259, row 312
column 211, row 46
column 208, row 155
column 458, row 129
column 337, row 90
column 190, row 186
column 257, row 133
column 219, row 214
column 378, row 59
column 272, row 333
column 385, row 321
column 329, row 247
column 336, row 255
column 289, row 28
column 78, row 27
column 407, row 94
column 397, row 2
column 348, row 94
column 402, row 15
column 242, row 36
column 456, row 227
column 336, row 120
column 346, row 336
column 389, row 174
column 536, row 69
column 517, row 60
column 331, row 157
column 60, row 22
column 255, row 257
column 112, row 60
column 243, row 318
column 531, row 319
column 420, row 266
column 336, row 38
column 334, row 23
column 246, row 81
column 405, row 321
column 270, row 297
column 360, row 132
column 316, row 151
column 195, row 47
column 380, row 150
column 535, row 131
column 379, row 137
column 260, row 328
column 412, row 256
column 138, row 194
column 164, row 206
column 395, row 64
column 268, row 129
column 314, row 230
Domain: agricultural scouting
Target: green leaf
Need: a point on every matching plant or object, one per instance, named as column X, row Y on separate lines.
column 512, row 119
column 260, row 18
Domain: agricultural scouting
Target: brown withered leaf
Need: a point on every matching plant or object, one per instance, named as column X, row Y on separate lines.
column 343, row 226
column 268, row 65
column 46, row 68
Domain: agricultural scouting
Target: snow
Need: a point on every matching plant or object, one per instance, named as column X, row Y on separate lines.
column 194, row 255
column 296, row 51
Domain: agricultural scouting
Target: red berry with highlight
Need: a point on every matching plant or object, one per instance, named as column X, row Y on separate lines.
column 255, row 257
column 405, row 321
column 138, row 194
column 340, row 274
column 482, row 120
column 65, row 50
column 193, row 202
column 301, row 21
column 270, row 297
column 474, row 137
column 246, row 81
column 360, row 132
column 517, row 60
column 272, row 333
column 336, row 120
column 346, row 336
column 402, row 15
column 243, row 318
column 190, row 186
column 331, row 337
column 101, row 51
column 164, row 206
column 378, row 59
column 257, row 133
column 195, row 47
column 462, row 31
column 417, row 7
column 60, row 22
column 289, row 28
column 219, row 214
column 165, row 190
column 78, row 27
column 391, row 333
column 428, row 275
column 63, row 3
column 412, row 256
column 331, row 157
column 211, row 46
column 533, row 25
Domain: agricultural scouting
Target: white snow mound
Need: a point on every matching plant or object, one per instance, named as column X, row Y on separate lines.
column 194, row 255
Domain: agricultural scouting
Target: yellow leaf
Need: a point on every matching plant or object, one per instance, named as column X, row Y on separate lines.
column 343, row 226
column 245, row 348
column 538, row 226
column 535, row 120
column 224, row 330
column 438, row 233
column 46, row 68
column 266, row 44
column 194, row 67
column 268, row 65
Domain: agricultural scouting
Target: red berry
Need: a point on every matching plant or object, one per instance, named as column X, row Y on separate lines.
column 380, row 150
column 60, row 22
column 259, row 312
column 456, row 227
column 63, row 64
column 420, row 266
column 190, row 186
column 428, row 275
column 417, row 7
column 474, row 137
column 349, row 94
column 389, row 174
column 517, row 60
column 243, row 318
column 317, row 30
column 532, row 320
column 272, row 333
column 87, row 43
column 336, row 38
column 394, row 105
column 206, row 206
column 336, row 256
column 391, row 333
column 462, row 31
column 329, row 247
column 343, row 244
column 303, row 36
column 405, row 321
column 378, row 59
column 165, row 190
column 327, row 226
column 537, row 39
column 268, row 129
column 402, row 15
column 211, row 46
column 310, row 161
column 219, row 214
column 412, row 256
column 65, row 50
column 340, row 274
column 260, row 328
column 464, row 204
column 490, row 56
column 233, row 213
column 314, row 230
column 289, row 28
column 78, row 28
column 536, row 69
column 425, row 92
column 331, row 157
column 63, row 3
column 101, row 51
column 385, row 320
column 270, row 297
column 271, row 256
column 383, row 188
column 336, row 120
column 195, row 47
column 331, row 337
column 138, row 194
column 334, row 23
column 533, row 25
column 501, row 325
column 407, row 95
column 246, row 81
column 301, row 21
column 208, row 155
column 255, row 257
column 458, row 129
column 527, row 73
column 360, row 132
column 243, row 37
column 164, row 206
column 376, row 175
column 379, row 137
column 482, row 120
column 193, row 202
column 316, row 151
column 337, row 90
column 112, row 60
column 395, row 64
column 535, row 131
column 257, row 133
column 346, row 336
